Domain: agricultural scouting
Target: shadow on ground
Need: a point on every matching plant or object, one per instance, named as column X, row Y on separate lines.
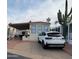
column 15, row 56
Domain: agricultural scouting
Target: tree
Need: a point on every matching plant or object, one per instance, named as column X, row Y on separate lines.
column 48, row 19
column 65, row 18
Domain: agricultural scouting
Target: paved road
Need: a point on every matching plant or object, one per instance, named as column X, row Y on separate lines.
column 34, row 50
column 15, row 56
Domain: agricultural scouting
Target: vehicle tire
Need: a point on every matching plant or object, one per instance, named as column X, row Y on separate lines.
column 43, row 45
column 61, row 47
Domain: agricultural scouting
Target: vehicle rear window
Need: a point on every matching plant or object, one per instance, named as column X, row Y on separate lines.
column 42, row 34
column 54, row 34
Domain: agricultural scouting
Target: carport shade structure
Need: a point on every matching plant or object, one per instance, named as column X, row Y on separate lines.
column 20, row 26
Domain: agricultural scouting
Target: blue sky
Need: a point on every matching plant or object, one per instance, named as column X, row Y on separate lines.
column 20, row 6
column 34, row 10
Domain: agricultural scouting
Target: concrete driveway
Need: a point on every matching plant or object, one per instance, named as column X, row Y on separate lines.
column 32, row 49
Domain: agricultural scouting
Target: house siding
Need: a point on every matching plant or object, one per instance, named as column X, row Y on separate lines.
column 69, row 35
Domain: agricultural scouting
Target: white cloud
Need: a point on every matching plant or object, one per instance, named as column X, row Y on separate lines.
column 47, row 9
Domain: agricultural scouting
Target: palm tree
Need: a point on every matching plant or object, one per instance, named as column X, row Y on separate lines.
column 65, row 18
column 48, row 19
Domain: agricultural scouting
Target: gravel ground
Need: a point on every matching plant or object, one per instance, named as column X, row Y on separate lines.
column 34, row 50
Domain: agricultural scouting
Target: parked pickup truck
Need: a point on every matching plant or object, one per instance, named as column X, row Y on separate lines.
column 51, row 39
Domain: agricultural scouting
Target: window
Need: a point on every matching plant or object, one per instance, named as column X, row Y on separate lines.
column 38, row 29
column 33, row 29
column 46, row 28
column 40, row 34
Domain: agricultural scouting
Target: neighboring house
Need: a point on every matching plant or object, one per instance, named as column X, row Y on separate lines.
column 69, row 35
column 38, row 27
column 33, row 28
column 55, row 29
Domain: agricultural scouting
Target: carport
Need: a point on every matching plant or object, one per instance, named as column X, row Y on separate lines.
column 20, row 26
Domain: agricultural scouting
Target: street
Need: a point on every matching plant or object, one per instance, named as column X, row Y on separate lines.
column 15, row 56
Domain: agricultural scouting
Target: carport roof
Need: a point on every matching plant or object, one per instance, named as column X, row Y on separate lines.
column 24, row 26
column 20, row 26
column 40, row 22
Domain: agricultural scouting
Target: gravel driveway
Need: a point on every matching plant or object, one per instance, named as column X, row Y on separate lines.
column 34, row 50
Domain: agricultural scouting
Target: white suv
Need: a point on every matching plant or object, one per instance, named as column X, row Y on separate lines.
column 51, row 39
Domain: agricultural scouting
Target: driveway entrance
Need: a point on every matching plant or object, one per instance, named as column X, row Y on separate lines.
column 32, row 49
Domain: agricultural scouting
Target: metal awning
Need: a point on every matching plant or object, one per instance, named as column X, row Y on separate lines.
column 20, row 26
